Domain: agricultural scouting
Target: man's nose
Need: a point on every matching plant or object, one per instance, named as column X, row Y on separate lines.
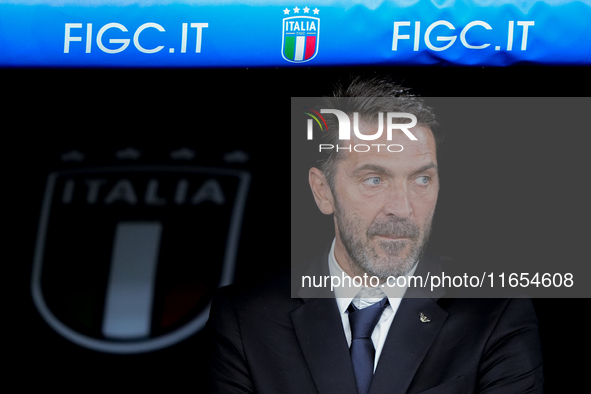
column 398, row 202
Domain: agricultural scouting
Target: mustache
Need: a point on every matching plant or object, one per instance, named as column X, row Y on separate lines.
column 394, row 228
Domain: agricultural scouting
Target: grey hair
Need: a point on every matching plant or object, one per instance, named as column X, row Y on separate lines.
column 368, row 97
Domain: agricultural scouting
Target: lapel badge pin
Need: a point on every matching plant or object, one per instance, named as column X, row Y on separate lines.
column 424, row 319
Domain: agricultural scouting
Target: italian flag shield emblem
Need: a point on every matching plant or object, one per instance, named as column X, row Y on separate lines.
column 300, row 38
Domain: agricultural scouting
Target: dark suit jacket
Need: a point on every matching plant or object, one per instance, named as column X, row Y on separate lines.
column 265, row 341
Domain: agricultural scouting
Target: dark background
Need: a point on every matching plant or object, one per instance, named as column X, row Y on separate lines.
column 48, row 112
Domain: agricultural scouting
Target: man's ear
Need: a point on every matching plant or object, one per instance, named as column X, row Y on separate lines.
column 321, row 191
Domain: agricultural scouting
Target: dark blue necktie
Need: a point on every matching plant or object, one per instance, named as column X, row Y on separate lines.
column 362, row 322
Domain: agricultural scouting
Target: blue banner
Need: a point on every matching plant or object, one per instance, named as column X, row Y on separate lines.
column 258, row 33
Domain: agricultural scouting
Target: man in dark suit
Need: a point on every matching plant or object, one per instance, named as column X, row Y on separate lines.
column 372, row 338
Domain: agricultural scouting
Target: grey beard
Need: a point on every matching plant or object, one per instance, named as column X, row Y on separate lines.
column 364, row 255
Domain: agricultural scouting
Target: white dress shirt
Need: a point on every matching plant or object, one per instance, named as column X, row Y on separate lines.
column 344, row 297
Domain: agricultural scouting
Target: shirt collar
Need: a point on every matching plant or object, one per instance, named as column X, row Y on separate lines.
column 345, row 295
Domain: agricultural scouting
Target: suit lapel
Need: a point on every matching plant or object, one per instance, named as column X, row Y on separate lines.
column 319, row 329
column 406, row 345
column 409, row 337
column 320, row 333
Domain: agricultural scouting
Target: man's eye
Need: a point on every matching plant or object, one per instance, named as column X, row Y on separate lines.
column 422, row 180
column 373, row 181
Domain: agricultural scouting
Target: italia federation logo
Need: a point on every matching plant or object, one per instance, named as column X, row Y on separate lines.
column 128, row 256
column 300, row 34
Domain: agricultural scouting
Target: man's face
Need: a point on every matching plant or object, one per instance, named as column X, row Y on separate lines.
column 384, row 203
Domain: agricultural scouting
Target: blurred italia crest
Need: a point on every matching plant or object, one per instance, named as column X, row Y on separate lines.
column 127, row 258
column 301, row 34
